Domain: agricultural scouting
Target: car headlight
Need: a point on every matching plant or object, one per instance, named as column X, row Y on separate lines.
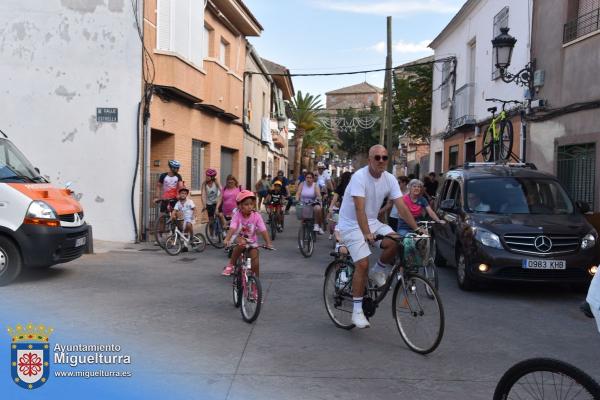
column 41, row 210
column 589, row 240
column 488, row 238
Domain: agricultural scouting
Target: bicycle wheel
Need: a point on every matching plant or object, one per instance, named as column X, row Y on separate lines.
column 545, row 378
column 419, row 317
column 251, row 299
column 273, row 226
column 305, row 240
column 429, row 271
column 198, row 242
column 236, row 286
column 506, row 139
column 337, row 294
column 173, row 245
column 214, row 233
column 487, row 147
column 163, row 228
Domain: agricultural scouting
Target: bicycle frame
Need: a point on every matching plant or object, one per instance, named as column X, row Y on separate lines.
column 494, row 124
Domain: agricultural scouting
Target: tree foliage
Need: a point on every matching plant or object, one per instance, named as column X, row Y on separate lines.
column 321, row 139
column 305, row 111
column 412, row 102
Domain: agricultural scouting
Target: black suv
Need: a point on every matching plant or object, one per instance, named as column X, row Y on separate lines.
column 512, row 222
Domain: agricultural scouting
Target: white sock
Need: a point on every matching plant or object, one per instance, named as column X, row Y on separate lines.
column 357, row 302
column 316, row 226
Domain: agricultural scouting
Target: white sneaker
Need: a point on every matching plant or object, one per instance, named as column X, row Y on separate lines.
column 320, row 231
column 379, row 277
column 316, row 228
column 359, row 320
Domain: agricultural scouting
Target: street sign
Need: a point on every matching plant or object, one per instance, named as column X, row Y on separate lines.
column 105, row 114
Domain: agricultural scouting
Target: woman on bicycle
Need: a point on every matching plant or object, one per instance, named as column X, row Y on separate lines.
column 211, row 193
column 308, row 192
column 416, row 203
column 228, row 203
column 244, row 225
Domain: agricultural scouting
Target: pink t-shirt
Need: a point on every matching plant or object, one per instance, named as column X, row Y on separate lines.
column 229, row 202
column 247, row 227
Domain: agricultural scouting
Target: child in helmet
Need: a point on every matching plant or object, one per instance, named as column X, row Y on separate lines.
column 185, row 211
column 245, row 224
column 274, row 201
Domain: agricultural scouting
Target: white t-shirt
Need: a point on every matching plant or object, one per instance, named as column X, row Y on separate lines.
column 394, row 212
column 187, row 208
column 374, row 190
column 323, row 178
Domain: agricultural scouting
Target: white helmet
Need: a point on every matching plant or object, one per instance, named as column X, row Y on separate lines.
column 320, row 164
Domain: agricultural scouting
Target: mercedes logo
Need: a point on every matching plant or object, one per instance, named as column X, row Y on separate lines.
column 543, row 244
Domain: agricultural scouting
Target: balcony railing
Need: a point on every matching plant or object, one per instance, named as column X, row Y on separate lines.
column 463, row 106
column 581, row 26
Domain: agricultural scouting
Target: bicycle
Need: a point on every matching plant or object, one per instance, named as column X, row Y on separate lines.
column 412, row 304
column 546, row 378
column 214, row 232
column 247, row 290
column 175, row 243
column 417, row 254
column 306, row 233
column 164, row 226
column 274, row 213
column 498, row 137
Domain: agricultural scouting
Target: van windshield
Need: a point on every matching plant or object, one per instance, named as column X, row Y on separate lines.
column 510, row 195
column 14, row 167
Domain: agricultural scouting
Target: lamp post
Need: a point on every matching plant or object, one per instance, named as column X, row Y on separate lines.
column 503, row 46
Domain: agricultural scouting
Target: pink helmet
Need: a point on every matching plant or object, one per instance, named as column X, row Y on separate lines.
column 243, row 195
column 211, row 172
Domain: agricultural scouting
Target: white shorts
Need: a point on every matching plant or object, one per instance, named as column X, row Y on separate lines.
column 356, row 243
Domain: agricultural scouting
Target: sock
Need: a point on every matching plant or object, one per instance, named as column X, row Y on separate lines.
column 316, row 226
column 357, row 302
column 381, row 267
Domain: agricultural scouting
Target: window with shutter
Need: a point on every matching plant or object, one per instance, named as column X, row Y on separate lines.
column 180, row 28
column 576, row 170
column 445, row 92
column 163, row 35
column 500, row 21
column 197, row 164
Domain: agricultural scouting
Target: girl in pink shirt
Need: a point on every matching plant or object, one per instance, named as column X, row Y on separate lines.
column 245, row 224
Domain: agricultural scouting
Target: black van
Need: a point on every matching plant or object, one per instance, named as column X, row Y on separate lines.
column 512, row 222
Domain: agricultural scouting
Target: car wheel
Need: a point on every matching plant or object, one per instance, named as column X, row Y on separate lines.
column 463, row 275
column 438, row 260
column 10, row 261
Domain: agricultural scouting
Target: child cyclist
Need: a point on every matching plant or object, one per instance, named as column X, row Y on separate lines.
column 185, row 210
column 274, row 201
column 245, row 224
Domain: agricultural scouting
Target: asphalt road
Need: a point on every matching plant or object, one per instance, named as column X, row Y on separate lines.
column 168, row 307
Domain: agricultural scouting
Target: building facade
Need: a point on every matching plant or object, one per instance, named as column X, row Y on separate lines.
column 195, row 116
column 564, row 136
column 358, row 97
column 61, row 61
column 468, row 77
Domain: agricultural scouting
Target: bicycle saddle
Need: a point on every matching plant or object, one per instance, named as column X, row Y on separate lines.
column 492, row 109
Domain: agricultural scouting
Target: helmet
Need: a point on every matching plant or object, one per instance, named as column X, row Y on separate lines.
column 243, row 195
column 184, row 189
column 320, row 164
column 174, row 164
column 211, row 172
column 277, row 183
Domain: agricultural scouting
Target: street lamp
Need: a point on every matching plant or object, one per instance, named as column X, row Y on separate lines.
column 503, row 45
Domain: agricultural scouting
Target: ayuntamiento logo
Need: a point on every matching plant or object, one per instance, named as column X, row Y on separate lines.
column 30, row 355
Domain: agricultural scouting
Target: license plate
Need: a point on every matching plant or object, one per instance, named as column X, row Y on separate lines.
column 544, row 264
column 81, row 241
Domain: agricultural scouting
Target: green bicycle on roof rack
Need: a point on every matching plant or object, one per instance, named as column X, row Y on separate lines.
column 498, row 137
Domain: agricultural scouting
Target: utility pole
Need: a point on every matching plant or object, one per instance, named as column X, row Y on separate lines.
column 388, row 87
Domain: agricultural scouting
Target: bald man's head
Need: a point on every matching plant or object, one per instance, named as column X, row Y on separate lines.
column 378, row 159
column 377, row 149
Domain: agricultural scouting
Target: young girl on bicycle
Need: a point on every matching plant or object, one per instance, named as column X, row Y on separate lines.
column 244, row 225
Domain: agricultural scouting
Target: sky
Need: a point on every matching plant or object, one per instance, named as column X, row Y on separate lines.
column 324, row 36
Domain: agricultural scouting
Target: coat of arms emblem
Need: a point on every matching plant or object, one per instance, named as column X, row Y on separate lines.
column 30, row 355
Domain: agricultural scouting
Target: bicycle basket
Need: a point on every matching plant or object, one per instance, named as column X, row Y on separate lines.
column 412, row 256
column 304, row 211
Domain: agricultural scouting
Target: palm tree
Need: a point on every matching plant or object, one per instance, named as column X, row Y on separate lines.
column 321, row 139
column 305, row 110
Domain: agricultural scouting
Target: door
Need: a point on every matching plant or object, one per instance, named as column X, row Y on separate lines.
column 470, row 151
column 226, row 164
column 446, row 233
column 249, row 182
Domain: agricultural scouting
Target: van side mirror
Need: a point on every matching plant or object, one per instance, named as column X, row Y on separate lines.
column 583, row 206
column 448, row 205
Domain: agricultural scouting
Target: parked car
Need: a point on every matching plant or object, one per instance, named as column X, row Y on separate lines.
column 511, row 222
column 40, row 224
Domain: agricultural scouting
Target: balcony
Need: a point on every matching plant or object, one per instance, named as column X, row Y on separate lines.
column 581, row 26
column 278, row 141
column 464, row 100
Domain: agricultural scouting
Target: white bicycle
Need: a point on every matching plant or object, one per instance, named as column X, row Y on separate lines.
column 178, row 240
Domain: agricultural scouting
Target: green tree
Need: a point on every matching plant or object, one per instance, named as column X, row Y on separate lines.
column 305, row 111
column 359, row 140
column 412, row 102
column 321, row 139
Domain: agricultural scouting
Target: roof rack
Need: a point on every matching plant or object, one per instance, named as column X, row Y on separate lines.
column 500, row 164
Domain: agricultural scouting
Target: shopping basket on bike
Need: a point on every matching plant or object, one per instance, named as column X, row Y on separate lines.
column 304, row 211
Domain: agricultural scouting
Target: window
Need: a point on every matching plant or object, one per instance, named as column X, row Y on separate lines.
column 584, row 18
column 180, row 28
column 576, row 170
column 437, row 163
column 500, row 21
column 453, row 156
column 208, row 35
column 224, row 52
column 197, row 163
column 445, row 92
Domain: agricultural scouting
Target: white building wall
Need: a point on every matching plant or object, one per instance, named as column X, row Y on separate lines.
column 478, row 26
column 60, row 61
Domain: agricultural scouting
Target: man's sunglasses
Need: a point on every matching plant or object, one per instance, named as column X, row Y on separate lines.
column 380, row 158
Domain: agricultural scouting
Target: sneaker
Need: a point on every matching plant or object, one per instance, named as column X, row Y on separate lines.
column 227, row 270
column 359, row 320
column 317, row 228
column 320, row 231
column 586, row 310
column 330, row 236
column 379, row 277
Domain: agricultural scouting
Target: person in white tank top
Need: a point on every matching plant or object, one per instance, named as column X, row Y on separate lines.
column 308, row 191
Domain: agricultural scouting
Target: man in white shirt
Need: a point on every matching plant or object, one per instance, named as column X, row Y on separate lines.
column 323, row 178
column 358, row 224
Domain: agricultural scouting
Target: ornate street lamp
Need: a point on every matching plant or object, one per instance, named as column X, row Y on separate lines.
column 503, row 45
